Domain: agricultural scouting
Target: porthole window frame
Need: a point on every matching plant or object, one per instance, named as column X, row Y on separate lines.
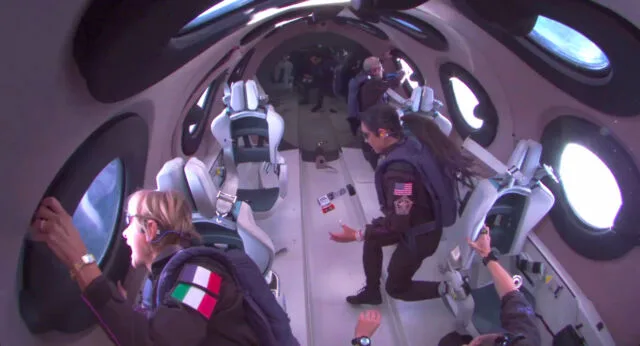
column 398, row 54
column 486, row 134
column 614, row 94
column 584, row 239
column 60, row 307
column 190, row 142
column 428, row 34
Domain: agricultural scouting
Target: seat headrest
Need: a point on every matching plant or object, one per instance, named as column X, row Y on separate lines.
column 171, row 177
column 245, row 96
column 422, row 99
column 203, row 190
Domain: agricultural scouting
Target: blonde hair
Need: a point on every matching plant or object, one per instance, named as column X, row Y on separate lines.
column 170, row 210
column 371, row 63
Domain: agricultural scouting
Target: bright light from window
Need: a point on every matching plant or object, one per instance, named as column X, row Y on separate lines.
column 568, row 44
column 406, row 24
column 408, row 72
column 216, row 11
column 467, row 102
column 275, row 11
column 283, row 23
column 591, row 188
column 203, row 98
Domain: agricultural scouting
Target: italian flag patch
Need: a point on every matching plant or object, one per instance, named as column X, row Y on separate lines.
column 198, row 288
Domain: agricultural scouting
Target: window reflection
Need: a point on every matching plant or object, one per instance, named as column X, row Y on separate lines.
column 97, row 214
column 568, row 44
column 592, row 190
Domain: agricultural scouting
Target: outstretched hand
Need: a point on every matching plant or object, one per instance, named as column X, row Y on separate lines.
column 482, row 245
column 53, row 225
column 368, row 323
column 348, row 235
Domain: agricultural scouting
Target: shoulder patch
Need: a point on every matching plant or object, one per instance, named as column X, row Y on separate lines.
column 403, row 189
column 403, row 205
column 195, row 298
column 201, row 277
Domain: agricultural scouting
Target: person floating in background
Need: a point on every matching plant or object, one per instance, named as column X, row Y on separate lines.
column 367, row 89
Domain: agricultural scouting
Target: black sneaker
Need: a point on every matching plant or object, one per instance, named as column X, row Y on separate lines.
column 315, row 109
column 366, row 295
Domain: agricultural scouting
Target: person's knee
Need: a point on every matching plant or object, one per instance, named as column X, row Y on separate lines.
column 395, row 288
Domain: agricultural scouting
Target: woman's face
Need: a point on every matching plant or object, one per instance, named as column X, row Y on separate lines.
column 137, row 238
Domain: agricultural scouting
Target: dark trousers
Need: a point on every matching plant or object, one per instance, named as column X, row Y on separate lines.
column 306, row 91
column 403, row 265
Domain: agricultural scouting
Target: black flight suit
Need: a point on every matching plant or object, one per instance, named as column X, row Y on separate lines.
column 372, row 93
column 389, row 230
column 172, row 323
column 516, row 317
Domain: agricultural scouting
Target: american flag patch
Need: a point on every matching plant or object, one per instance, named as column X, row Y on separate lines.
column 403, row 189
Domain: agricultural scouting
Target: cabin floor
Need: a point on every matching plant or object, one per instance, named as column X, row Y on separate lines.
column 316, row 273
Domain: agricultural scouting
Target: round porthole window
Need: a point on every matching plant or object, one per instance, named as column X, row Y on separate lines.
column 596, row 205
column 592, row 190
column 466, row 101
column 97, row 214
column 569, row 45
column 469, row 105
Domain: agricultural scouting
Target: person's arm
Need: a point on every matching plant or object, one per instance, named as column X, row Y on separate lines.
column 125, row 326
column 399, row 186
column 516, row 314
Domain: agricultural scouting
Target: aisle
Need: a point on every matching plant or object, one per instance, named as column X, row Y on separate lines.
column 333, row 270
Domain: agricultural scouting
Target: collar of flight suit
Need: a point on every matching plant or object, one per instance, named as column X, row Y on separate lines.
column 163, row 257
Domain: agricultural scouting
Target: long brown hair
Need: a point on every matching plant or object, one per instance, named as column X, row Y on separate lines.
column 454, row 162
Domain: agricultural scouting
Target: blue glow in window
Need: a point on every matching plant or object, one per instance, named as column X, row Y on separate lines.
column 568, row 44
column 406, row 24
column 97, row 214
column 216, row 11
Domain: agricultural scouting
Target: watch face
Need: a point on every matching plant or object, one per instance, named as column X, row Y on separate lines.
column 88, row 259
column 364, row 341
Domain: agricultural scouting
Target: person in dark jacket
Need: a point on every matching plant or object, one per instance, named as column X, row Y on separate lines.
column 158, row 225
column 372, row 92
column 406, row 205
column 314, row 77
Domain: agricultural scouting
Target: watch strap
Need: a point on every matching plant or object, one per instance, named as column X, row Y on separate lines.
column 490, row 257
column 84, row 261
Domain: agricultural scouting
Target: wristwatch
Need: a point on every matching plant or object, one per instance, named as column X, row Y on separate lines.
column 361, row 341
column 84, row 260
column 490, row 257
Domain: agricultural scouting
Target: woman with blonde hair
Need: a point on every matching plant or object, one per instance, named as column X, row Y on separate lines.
column 194, row 296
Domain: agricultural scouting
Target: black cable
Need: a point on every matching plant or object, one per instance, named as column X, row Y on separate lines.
column 546, row 326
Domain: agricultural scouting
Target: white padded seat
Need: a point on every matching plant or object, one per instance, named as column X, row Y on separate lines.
column 423, row 102
column 256, row 242
column 250, row 131
column 171, row 177
column 512, row 203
